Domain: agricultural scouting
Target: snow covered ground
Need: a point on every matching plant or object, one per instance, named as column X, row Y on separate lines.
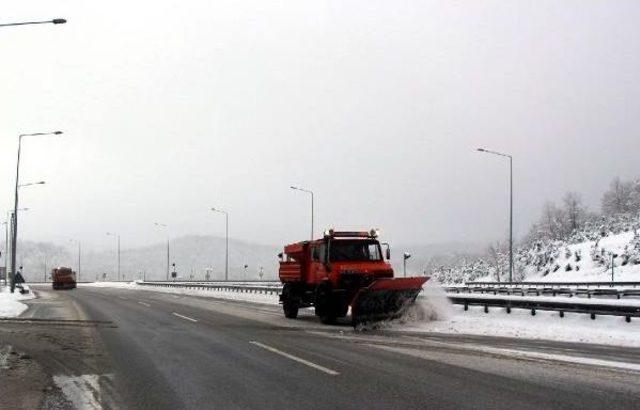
column 263, row 298
column 610, row 330
column 10, row 305
column 579, row 258
column 434, row 313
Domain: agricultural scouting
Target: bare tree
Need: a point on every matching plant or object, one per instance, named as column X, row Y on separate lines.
column 552, row 221
column 498, row 259
column 635, row 196
column 574, row 212
column 619, row 198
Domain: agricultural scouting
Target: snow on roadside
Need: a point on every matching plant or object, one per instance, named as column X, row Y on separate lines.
column 574, row 327
column 10, row 305
column 262, row 298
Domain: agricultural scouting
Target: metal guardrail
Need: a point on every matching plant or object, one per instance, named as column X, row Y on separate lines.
column 557, row 284
column 592, row 309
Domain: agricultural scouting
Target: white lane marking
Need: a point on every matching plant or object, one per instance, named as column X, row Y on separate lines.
column 523, row 354
column 144, row 304
column 122, row 298
column 295, row 358
column 185, row 317
column 567, row 359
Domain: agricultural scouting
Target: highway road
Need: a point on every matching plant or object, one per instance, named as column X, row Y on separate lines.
column 140, row 349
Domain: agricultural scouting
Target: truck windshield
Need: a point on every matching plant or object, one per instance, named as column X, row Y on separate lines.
column 354, row 251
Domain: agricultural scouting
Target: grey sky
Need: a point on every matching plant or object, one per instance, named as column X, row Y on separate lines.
column 170, row 107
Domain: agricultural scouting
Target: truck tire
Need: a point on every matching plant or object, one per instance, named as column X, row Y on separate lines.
column 326, row 308
column 290, row 304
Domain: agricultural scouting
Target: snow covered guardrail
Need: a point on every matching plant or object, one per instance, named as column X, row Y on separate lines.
column 238, row 287
column 561, row 305
column 589, row 289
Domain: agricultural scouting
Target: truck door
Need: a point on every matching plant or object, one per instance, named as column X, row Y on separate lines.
column 318, row 268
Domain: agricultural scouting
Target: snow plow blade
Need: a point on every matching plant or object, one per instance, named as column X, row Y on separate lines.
column 385, row 299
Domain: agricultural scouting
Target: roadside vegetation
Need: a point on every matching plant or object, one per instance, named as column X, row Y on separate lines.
column 567, row 242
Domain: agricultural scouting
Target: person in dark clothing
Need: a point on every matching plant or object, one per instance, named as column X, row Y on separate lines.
column 19, row 280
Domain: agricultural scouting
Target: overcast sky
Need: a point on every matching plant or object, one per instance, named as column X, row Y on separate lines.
column 171, row 107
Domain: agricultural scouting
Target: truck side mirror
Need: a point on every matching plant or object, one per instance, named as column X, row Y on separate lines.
column 388, row 254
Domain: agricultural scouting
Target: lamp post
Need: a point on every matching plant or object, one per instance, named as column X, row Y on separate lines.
column 405, row 256
column 79, row 253
column 6, row 249
column 26, row 23
column 14, row 237
column 118, row 244
column 308, row 192
column 31, row 183
column 226, row 235
column 168, row 254
column 510, row 206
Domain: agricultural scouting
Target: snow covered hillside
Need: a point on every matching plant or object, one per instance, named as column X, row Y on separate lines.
column 589, row 260
column 588, row 254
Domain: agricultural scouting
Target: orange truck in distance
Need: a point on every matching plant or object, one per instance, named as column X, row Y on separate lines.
column 344, row 270
column 63, row 278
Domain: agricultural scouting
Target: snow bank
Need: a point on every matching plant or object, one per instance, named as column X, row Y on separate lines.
column 574, row 327
column 10, row 305
column 431, row 304
column 263, row 298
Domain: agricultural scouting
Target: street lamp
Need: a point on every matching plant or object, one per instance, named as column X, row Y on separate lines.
column 308, row 192
column 118, row 241
column 6, row 248
column 510, row 206
column 168, row 254
column 79, row 253
column 405, row 256
column 31, row 183
column 226, row 252
column 25, row 23
column 14, row 237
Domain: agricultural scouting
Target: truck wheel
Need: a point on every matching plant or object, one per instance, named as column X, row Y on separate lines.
column 290, row 304
column 325, row 305
column 290, row 309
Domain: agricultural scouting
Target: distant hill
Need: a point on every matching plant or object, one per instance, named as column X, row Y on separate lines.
column 193, row 255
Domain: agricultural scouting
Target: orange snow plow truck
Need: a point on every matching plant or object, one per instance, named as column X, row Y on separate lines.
column 342, row 270
column 63, row 278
